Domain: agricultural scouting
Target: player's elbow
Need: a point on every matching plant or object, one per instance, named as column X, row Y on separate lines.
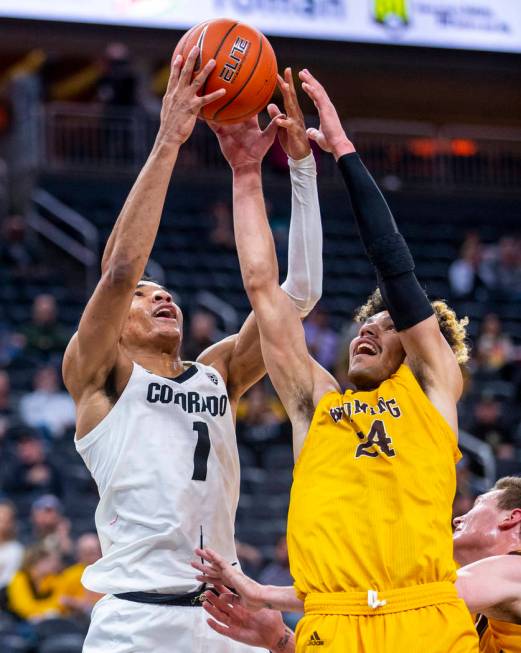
column 120, row 273
column 259, row 277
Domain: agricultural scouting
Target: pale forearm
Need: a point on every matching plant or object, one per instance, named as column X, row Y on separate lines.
column 134, row 233
column 281, row 598
column 253, row 235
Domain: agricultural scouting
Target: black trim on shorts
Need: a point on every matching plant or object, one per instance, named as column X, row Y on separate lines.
column 192, row 599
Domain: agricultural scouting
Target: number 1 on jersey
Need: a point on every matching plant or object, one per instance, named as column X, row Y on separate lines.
column 202, row 451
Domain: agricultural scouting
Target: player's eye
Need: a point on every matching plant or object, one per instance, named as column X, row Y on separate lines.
column 138, row 293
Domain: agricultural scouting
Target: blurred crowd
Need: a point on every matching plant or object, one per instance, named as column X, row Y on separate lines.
column 46, row 497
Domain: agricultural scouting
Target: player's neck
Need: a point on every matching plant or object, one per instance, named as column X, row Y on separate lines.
column 163, row 363
column 501, row 546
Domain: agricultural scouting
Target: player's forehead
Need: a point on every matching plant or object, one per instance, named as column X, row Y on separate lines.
column 487, row 499
column 382, row 317
column 151, row 286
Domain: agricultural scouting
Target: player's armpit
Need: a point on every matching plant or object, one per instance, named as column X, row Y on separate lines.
column 238, row 359
column 431, row 358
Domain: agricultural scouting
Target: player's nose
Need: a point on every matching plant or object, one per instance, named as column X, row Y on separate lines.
column 457, row 521
column 368, row 329
column 162, row 296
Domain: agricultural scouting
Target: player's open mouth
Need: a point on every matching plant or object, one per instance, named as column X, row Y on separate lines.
column 165, row 312
column 366, row 347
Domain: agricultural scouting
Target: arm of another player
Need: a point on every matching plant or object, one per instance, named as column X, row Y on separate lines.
column 239, row 357
column 296, row 379
column 427, row 351
column 252, row 595
column 491, row 583
column 93, row 351
column 264, row 628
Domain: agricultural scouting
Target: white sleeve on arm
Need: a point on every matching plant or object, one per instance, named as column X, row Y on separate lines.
column 304, row 281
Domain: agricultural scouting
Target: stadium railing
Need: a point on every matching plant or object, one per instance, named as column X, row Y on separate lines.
column 87, row 139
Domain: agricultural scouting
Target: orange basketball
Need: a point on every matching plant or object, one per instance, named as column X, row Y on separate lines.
column 246, row 67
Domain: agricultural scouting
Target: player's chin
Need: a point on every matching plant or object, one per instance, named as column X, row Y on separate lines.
column 364, row 372
column 166, row 327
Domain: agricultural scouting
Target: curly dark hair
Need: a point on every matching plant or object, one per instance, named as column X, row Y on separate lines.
column 453, row 329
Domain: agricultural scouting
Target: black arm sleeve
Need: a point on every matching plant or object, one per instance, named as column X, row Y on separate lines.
column 385, row 246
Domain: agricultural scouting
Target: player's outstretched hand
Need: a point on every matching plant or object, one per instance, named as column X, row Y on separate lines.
column 330, row 136
column 292, row 128
column 263, row 628
column 245, row 144
column 181, row 104
column 216, row 571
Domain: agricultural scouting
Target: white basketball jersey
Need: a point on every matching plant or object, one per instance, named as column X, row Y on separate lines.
column 167, row 469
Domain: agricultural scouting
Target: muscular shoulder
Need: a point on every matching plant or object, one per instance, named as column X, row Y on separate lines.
column 112, row 376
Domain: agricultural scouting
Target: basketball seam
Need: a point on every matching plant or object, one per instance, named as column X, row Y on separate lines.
column 243, row 86
column 203, row 90
column 260, row 105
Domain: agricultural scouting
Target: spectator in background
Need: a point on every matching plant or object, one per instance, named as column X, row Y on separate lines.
column 322, row 341
column 6, row 404
column 222, row 231
column 30, row 473
column 250, row 558
column 50, row 527
column 277, row 573
column 19, row 252
column 45, row 335
column 494, row 348
column 48, row 407
column 11, row 551
column 466, row 274
column 11, row 345
column 260, row 419
column 73, row 596
column 504, row 269
column 202, row 334
column 118, row 86
column 33, row 593
column 489, row 421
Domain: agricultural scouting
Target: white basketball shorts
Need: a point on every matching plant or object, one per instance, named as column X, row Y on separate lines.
column 120, row 626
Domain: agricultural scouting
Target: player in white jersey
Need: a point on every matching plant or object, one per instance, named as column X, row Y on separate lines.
column 157, row 433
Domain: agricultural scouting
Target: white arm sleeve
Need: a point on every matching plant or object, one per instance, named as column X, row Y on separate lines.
column 304, row 281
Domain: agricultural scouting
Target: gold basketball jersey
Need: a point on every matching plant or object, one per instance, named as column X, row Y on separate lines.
column 498, row 636
column 372, row 493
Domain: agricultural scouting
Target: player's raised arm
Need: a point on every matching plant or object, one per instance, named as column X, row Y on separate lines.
column 93, row 352
column 492, row 587
column 239, row 358
column 428, row 353
column 295, row 377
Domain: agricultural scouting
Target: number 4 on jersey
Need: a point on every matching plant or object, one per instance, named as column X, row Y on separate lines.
column 377, row 438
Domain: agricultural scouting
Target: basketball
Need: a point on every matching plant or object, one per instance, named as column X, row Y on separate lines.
column 246, row 67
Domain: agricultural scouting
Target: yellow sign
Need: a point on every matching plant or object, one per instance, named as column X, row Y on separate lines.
column 391, row 12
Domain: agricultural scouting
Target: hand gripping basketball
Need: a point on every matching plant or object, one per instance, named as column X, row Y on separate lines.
column 181, row 104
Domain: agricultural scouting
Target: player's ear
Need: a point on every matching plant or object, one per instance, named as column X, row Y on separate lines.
column 512, row 520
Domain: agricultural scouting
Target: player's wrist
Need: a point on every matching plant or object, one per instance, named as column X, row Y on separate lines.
column 284, row 640
column 341, row 147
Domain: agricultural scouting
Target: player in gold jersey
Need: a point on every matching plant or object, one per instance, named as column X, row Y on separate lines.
column 487, row 540
column 369, row 532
